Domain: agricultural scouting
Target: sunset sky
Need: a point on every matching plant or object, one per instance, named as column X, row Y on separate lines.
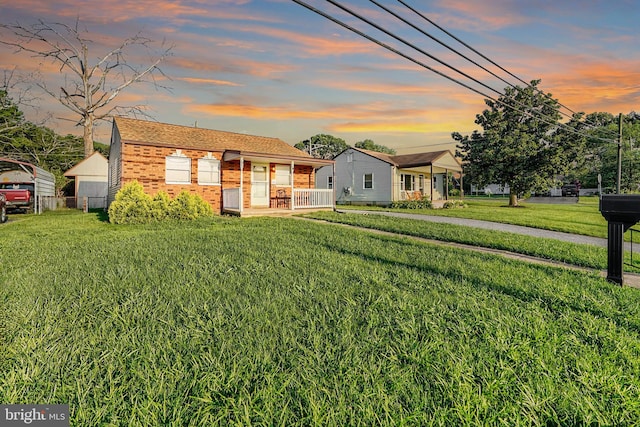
column 274, row 68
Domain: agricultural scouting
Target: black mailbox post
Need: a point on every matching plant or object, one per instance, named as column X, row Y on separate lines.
column 621, row 211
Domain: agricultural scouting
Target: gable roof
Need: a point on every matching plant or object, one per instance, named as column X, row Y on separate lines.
column 96, row 165
column 167, row 135
column 411, row 160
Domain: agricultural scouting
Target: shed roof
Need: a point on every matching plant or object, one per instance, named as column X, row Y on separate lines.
column 94, row 165
column 11, row 165
column 185, row 137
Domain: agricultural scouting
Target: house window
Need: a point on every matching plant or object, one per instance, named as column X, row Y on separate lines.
column 208, row 171
column 408, row 182
column 330, row 182
column 349, row 157
column 367, row 181
column 283, row 175
column 177, row 169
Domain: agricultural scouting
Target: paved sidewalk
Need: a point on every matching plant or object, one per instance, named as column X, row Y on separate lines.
column 632, row 280
column 488, row 225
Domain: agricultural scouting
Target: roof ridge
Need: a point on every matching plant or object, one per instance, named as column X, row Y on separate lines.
column 197, row 128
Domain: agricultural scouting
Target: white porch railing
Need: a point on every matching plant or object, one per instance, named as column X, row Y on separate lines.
column 312, row 198
column 231, row 198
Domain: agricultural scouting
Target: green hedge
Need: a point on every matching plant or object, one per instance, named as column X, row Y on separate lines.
column 133, row 206
column 423, row 203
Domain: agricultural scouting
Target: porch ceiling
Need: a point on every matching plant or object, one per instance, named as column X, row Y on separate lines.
column 437, row 168
column 269, row 158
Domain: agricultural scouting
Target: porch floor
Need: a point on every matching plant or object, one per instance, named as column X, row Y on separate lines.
column 251, row 212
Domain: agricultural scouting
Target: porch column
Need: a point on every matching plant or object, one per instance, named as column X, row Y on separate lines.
column 461, row 186
column 293, row 166
column 446, row 184
column 241, row 184
column 431, row 188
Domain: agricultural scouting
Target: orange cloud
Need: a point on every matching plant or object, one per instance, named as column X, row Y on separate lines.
column 202, row 81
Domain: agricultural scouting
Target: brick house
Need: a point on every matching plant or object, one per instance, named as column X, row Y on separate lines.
column 235, row 173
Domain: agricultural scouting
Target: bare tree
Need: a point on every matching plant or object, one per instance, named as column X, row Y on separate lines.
column 89, row 88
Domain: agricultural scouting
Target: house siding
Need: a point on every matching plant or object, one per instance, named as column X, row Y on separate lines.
column 349, row 174
column 114, row 178
column 146, row 164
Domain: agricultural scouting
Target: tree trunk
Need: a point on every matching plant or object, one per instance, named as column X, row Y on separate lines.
column 88, row 135
column 513, row 198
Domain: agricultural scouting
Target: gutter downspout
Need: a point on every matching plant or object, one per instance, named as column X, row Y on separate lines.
column 241, row 185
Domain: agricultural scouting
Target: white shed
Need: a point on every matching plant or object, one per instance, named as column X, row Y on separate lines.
column 91, row 176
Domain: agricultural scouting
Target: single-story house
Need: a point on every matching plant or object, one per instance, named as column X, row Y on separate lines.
column 369, row 177
column 91, row 177
column 235, row 173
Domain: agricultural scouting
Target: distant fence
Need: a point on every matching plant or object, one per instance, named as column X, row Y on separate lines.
column 51, row 203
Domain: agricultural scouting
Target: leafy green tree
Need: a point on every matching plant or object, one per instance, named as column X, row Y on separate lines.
column 602, row 156
column 322, row 146
column 11, row 118
column 520, row 144
column 368, row 144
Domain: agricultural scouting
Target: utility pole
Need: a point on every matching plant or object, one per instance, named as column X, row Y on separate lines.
column 619, row 153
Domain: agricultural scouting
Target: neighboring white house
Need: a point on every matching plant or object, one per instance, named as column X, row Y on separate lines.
column 369, row 177
column 91, row 176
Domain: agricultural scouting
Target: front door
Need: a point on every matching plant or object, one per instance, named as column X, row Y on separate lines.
column 259, row 184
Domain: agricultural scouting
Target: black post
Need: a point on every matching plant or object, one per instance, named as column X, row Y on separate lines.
column 615, row 249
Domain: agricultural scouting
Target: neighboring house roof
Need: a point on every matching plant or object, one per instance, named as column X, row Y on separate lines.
column 184, row 137
column 94, row 165
column 414, row 160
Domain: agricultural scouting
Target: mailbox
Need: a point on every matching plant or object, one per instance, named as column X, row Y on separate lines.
column 621, row 211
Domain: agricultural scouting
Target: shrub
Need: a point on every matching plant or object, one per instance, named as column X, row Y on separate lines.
column 423, row 203
column 187, row 206
column 133, row 206
column 161, row 209
column 454, row 204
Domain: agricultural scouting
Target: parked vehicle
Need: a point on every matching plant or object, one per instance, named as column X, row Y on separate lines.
column 570, row 190
column 17, row 197
column 3, row 209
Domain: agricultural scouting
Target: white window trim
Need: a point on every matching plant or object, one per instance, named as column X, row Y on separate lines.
column 280, row 169
column 364, row 180
column 177, row 155
column 210, row 159
column 330, row 182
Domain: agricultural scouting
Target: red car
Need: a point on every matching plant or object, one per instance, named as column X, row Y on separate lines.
column 3, row 208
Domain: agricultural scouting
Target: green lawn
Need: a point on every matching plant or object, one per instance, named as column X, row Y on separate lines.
column 555, row 250
column 278, row 321
column 580, row 218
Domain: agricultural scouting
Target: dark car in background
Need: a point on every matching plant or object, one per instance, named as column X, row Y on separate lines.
column 569, row 190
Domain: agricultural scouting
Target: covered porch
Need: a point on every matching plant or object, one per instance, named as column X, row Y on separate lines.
column 268, row 185
column 426, row 175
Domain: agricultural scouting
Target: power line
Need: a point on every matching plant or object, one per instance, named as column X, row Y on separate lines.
column 486, row 58
column 397, row 52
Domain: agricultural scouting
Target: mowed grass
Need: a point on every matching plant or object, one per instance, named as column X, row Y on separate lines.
column 580, row 218
column 588, row 256
column 273, row 321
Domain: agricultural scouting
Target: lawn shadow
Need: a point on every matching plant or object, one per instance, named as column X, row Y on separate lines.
column 481, row 281
column 101, row 214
